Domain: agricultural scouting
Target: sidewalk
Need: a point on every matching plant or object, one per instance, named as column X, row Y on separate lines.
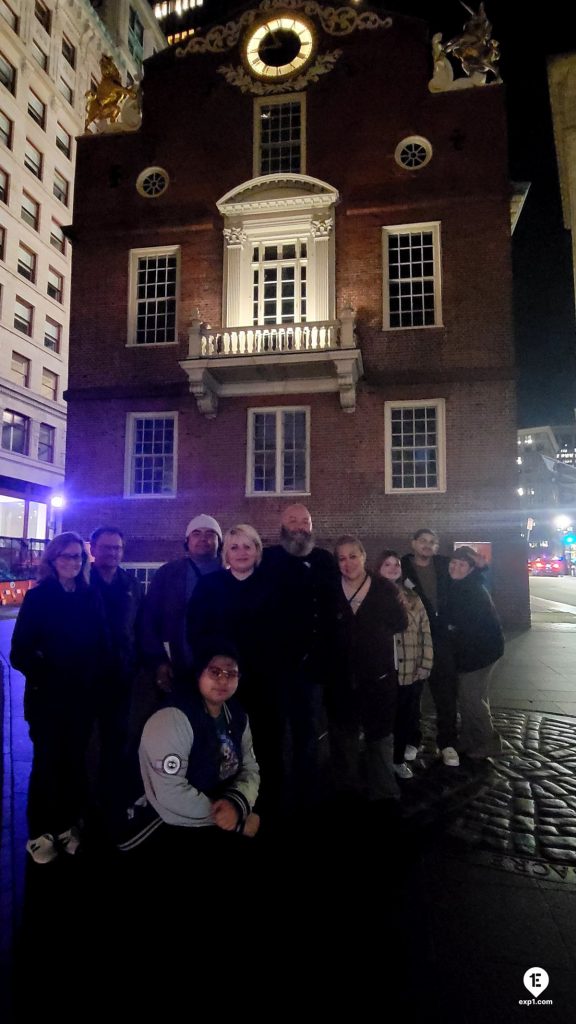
column 486, row 889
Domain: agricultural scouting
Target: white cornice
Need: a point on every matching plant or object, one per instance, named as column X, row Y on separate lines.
column 278, row 192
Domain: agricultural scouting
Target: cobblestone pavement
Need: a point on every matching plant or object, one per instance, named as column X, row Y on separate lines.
column 523, row 803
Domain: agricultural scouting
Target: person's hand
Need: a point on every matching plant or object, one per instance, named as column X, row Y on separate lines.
column 251, row 825
column 421, row 673
column 164, row 677
column 225, row 815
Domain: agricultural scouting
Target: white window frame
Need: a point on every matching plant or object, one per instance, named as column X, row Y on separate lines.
column 131, row 418
column 279, row 411
column 440, row 406
column 135, row 256
column 399, row 229
column 130, row 566
column 266, row 101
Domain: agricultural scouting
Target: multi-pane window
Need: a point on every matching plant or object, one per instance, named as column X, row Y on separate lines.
column 49, row 387
column 279, row 136
column 415, row 446
column 33, row 159
column 42, row 13
column 412, row 276
column 30, row 211
column 61, row 188
column 155, row 298
column 63, row 140
column 135, row 35
column 36, row 109
column 278, row 451
column 55, row 285
column 46, row 441
column 4, row 185
column 52, row 335
column 20, row 367
column 15, row 430
column 279, row 282
column 6, row 126
column 8, row 15
column 68, row 52
column 2, row 241
column 39, row 55
column 23, row 316
column 26, row 263
column 142, row 573
column 152, row 455
column 65, row 90
column 7, row 74
column 57, row 237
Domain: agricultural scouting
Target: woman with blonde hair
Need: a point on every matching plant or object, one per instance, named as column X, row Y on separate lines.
column 60, row 644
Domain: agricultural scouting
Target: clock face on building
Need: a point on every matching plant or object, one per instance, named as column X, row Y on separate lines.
column 278, row 47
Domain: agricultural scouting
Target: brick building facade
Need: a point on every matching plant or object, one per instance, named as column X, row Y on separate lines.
column 295, row 280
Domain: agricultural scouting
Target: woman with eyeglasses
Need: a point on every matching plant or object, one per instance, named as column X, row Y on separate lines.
column 60, row 644
column 197, row 764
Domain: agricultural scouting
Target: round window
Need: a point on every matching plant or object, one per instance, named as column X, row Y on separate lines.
column 413, row 153
column 152, row 182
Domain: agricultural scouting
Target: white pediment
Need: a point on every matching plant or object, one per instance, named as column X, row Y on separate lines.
column 277, row 192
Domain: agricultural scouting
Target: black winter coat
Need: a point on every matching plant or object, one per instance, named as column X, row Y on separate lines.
column 367, row 637
column 473, row 624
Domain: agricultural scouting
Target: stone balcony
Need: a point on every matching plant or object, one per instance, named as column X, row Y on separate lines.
column 273, row 359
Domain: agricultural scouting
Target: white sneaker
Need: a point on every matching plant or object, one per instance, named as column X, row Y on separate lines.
column 69, row 840
column 411, row 753
column 43, row 849
column 450, row 757
column 403, row 771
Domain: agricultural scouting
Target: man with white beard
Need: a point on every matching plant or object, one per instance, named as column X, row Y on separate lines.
column 306, row 578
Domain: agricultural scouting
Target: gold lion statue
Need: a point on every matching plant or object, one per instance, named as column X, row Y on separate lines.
column 104, row 103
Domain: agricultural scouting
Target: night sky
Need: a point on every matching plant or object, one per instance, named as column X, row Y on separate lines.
column 544, row 300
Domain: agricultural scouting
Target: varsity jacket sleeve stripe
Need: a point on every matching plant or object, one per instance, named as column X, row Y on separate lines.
column 244, row 786
column 165, row 747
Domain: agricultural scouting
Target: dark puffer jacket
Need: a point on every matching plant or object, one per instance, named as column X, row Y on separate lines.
column 473, row 624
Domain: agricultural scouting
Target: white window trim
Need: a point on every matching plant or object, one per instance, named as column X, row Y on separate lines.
column 440, row 404
column 396, row 229
column 131, row 418
column 278, row 410
column 266, row 101
column 134, row 256
column 142, row 565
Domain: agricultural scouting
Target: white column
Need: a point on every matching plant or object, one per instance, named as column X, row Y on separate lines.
column 322, row 247
column 231, row 305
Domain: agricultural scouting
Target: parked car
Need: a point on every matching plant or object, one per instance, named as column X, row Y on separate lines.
column 547, row 565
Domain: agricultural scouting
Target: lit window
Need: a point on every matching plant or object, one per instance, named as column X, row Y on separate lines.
column 57, row 237
column 411, row 276
column 63, row 140
column 33, row 159
column 151, row 455
column 15, row 430
column 42, row 14
column 279, row 135
column 8, row 15
column 52, row 335
column 49, row 386
column 415, row 446
column 5, row 130
column 135, row 35
column 46, row 439
column 55, row 286
column 20, row 367
column 26, row 263
column 65, row 90
column 68, row 52
column 278, row 451
column 30, row 211
column 36, row 109
column 154, row 291
column 279, row 282
column 61, row 188
column 4, row 186
column 23, row 316
column 40, row 57
column 7, row 74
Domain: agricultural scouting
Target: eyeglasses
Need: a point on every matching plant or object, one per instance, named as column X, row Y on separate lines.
column 70, row 558
column 223, row 673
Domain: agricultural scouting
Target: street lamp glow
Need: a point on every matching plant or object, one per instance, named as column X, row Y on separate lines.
column 58, row 501
column 562, row 522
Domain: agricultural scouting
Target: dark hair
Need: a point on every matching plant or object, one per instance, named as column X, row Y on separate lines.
column 211, row 648
column 383, row 556
column 97, row 533
column 347, row 538
column 46, row 569
column 422, row 530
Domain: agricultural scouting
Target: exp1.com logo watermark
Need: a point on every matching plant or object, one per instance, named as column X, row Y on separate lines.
column 536, row 980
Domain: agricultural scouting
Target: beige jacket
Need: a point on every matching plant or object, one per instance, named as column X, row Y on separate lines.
column 414, row 646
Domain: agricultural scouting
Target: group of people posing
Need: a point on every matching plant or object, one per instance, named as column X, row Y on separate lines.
column 218, row 684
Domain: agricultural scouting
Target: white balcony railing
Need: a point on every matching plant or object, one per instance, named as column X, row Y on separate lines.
column 205, row 342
